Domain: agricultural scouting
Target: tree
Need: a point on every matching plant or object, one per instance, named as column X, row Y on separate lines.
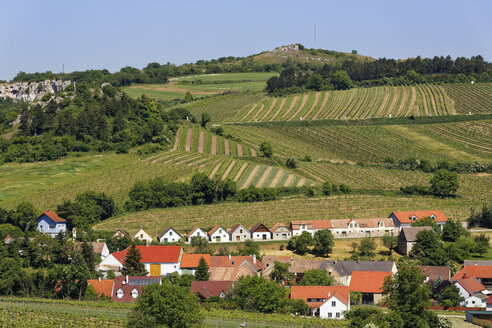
column 450, row 296
column 166, row 305
column 255, row 293
column 452, row 230
column 428, row 249
column 205, row 119
column 344, row 189
column 314, row 82
column 390, row 242
column 281, row 272
column 341, row 81
column 202, row 273
column 300, row 244
column 250, row 248
column 187, row 97
column 291, row 163
column 201, row 245
column 24, row 216
column 132, row 265
column 226, row 189
column 427, row 222
column 367, row 247
column 266, row 149
column 75, row 275
column 327, row 188
column 315, row 277
column 444, row 183
column 481, row 218
column 482, row 244
column 323, row 242
column 88, row 255
column 203, row 190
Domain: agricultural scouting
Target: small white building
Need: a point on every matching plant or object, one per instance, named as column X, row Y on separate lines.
column 51, row 224
column 359, row 227
column 239, row 233
column 110, row 263
column 327, row 302
column 280, row 232
column 474, row 293
column 169, row 235
column 196, row 232
column 142, row 235
column 260, row 232
column 298, row 227
column 218, row 235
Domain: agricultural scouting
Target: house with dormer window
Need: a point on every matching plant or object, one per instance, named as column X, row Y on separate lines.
column 128, row 289
column 405, row 219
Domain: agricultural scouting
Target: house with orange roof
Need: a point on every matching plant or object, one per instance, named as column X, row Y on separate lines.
column 370, row 284
column 483, row 273
column 406, row 218
column 196, row 232
column 327, row 302
column 362, row 227
column 233, row 267
column 298, row 227
column 218, row 235
column 239, row 233
column 189, row 262
column 280, row 232
column 103, row 287
column 474, row 293
column 169, row 235
column 51, row 224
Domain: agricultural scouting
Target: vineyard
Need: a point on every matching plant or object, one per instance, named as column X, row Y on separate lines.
column 357, row 103
column 285, row 210
column 471, row 98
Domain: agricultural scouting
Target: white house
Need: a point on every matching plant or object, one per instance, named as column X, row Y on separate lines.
column 218, row 235
column 359, row 227
column 120, row 234
column 110, row 263
column 260, row 232
column 51, row 224
column 474, row 293
column 405, row 219
column 196, row 232
column 298, row 227
column 239, row 233
column 142, row 235
column 327, row 302
column 280, row 232
column 169, row 235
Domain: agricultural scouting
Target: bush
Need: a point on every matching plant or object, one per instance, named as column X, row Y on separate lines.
column 253, row 194
column 344, row 189
column 291, row 163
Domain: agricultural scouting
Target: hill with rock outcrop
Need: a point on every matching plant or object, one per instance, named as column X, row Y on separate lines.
column 30, row 91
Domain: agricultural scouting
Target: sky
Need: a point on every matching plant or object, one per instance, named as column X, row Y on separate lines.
column 37, row 36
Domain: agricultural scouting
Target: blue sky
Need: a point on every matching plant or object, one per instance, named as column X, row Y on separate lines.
column 42, row 35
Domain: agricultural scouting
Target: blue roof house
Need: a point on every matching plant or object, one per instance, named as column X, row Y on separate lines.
column 51, row 224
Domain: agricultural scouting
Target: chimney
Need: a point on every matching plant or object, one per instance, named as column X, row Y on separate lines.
column 329, row 294
column 126, row 279
column 230, row 257
column 254, row 259
column 99, row 279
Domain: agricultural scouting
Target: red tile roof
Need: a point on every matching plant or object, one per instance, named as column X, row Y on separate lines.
column 368, row 281
column 405, row 217
column 135, row 282
column 224, row 261
column 53, row 216
column 192, row 231
column 471, row 285
column 489, row 300
column 192, row 260
column 321, row 292
column 206, row 289
column 153, row 254
column 105, row 286
column 277, row 225
column 296, row 225
column 211, row 232
column 433, row 272
column 322, row 224
column 475, row 271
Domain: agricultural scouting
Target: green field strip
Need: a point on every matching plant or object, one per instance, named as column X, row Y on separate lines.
column 167, row 155
column 224, row 167
column 295, row 101
column 249, row 176
column 215, row 169
column 228, row 170
column 303, row 101
column 203, row 160
column 191, row 159
column 384, row 102
column 207, row 148
column 255, row 116
column 413, row 98
column 279, row 109
column 430, row 100
column 236, row 168
column 424, row 111
column 232, row 148
column 330, row 105
column 245, row 174
column 282, row 180
column 176, row 158
column 290, row 180
column 259, row 173
column 312, row 102
column 270, row 108
column 270, row 177
column 347, row 97
column 237, row 176
column 463, row 141
column 182, row 138
column 195, row 138
column 318, row 98
column 321, row 108
column 242, row 115
column 220, row 145
column 402, row 101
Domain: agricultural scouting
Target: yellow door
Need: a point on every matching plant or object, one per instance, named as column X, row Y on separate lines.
column 155, row 270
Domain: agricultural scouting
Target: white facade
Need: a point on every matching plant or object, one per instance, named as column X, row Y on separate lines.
column 166, row 268
column 240, row 234
column 262, row 235
column 51, row 228
column 353, row 229
column 142, row 235
column 475, row 301
column 302, row 228
column 219, row 236
column 333, row 308
column 171, row 236
column 110, row 263
column 104, row 252
column 281, row 233
column 197, row 233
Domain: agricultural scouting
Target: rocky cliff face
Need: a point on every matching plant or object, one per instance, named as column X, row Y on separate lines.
column 30, row 91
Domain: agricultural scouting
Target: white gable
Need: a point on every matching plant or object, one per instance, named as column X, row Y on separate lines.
column 142, row 235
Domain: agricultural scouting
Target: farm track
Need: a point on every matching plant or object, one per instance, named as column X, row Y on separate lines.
column 279, row 110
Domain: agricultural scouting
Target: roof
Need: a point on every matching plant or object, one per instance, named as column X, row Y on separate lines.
column 278, row 225
column 322, row 292
column 53, row 216
column 211, row 232
column 258, row 226
column 410, row 233
column 234, row 261
column 105, row 286
column 476, row 271
column 192, row 231
column 153, row 254
column 236, row 227
column 374, row 223
column 192, row 260
column 120, row 231
column 206, row 289
column 471, row 285
column 165, row 231
column 98, row 247
column 295, row 225
column 477, row 262
column 433, row 272
column 135, row 282
column 405, row 217
column 322, row 224
column 346, row 268
column 368, row 281
column 489, row 300
column 230, row 273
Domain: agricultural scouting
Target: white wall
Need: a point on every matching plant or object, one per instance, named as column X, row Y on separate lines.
column 166, row 268
column 222, row 234
column 259, row 235
column 474, row 301
column 170, row 237
column 327, row 308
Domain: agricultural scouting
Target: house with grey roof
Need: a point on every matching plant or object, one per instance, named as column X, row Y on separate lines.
column 342, row 270
column 408, row 237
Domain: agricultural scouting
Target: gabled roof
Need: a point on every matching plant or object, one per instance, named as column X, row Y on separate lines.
column 206, row 289
column 135, row 282
column 192, row 260
column 153, row 254
column 471, row 285
column 296, row 225
column 120, row 231
column 214, row 229
column 374, row 223
column 234, row 261
column 237, row 227
column 409, row 234
column 53, row 216
column 105, row 286
column 477, row 262
column 340, row 223
column 346, row 268
column 231, row 273
column 192, row 231
column 406, row 217
column 433, row 272
column 165, row 231
column 322, row 224
column 258, row 226
column 278, row 225
column 475, row 271
column 342, row 293
column 368, row 281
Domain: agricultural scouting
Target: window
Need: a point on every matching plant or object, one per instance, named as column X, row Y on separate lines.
column 351, row 225
column 473, row 302
column 338, row 314
column 51, row 227
column 344, row 233
column 333, row 303
column 170, row 233
column 303, row 226
column 330, row 315
column 165, row 240
column 119, row 293
column 414, row 218
column 433, row 217
column 134, row 293
column 141, row 235
column 240, row 230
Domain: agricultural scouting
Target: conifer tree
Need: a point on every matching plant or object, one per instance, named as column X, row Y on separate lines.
column 132, row 265
column 88, row 255
column 202, row 273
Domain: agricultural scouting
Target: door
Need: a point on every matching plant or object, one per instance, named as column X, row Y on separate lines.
column 238, row 238
column 155, row 270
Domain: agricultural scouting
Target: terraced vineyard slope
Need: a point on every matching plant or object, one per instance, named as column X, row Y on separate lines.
column 470, row 98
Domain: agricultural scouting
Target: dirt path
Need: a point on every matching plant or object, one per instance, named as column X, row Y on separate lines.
column 249, row 112
column 292, row 105
column 411, row 108
column 270, row 109
column 301, row 182
column 303, row 103
column 424, row 100
column 215, row 169
column 228, row 170
column 201, row 142
column 276, row 178
column 239, row 150
column 257, row 113
column 403, row 102
column 433, row 101
column 289, row 180
column 316, row 98
column 226, row 147
column 385, row 100
column 264, row 176
column 253, row 152
column 176, row 141
column 251, row 177
column 188, row 140
column 282, row 103
column 241, row 170
column 320, row 110
column 214, row 145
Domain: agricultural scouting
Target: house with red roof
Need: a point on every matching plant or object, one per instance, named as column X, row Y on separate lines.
column 406, row 218
column 218, row 235
column 483, row 273
column 189, row 262
column 327, row 302
column 207, row 289
column 51, row 224
column 196, row 232
column 127, row 289
column 370, row 284
column 103, row 287
column 233, row 267
column 298, row 227
column 474, row 293
column 358, row 227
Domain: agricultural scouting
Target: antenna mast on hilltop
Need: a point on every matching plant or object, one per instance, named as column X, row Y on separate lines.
column 314, row 35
